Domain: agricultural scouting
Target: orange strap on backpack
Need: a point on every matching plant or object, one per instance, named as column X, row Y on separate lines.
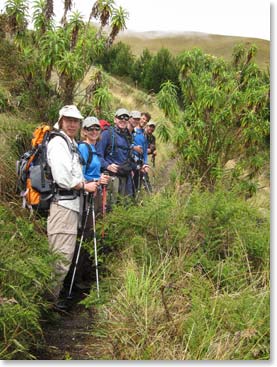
column 38, row 135
column 37, row 139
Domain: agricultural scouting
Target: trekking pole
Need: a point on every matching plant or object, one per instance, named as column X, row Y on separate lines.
column 79, row 249
column 146, row 185
column 138, row 186
column 95, row 246
column 153, row 160
column 104, row 203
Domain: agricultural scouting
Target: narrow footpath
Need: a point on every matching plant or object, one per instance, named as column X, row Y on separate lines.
column 71, row 336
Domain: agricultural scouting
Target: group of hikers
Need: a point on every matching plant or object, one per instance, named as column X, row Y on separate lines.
column 109, row 163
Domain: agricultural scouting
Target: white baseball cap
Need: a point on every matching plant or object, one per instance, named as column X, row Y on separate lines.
column 135, row 114
column 90, row 121
column 121, row 112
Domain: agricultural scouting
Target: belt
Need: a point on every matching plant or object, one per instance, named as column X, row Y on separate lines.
column 63, row 192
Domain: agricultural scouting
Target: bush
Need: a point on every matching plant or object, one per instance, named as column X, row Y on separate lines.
column 224, row 115
column 25, row 275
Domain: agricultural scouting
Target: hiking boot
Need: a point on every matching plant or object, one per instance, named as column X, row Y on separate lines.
column 61, row 305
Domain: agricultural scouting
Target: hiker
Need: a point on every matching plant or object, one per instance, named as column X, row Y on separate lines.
column 137, row 157
column 104, row 124
column 90, row 135
column 115, row 150
column 62, row 222
column 151, row 139
column 132, row 124
column 151, row 150
column 140, row 140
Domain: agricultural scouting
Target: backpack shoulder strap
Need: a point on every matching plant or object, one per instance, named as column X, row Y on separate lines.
column 53, row 133
column 90, row 153
column 112, row 134
column 111, row 147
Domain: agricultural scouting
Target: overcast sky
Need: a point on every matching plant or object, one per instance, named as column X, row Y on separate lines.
column 246, row 18
column 229, row 17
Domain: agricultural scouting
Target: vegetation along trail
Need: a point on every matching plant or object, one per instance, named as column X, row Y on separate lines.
column 184, row 272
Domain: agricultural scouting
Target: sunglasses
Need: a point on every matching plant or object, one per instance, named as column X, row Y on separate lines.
column 123, row 117
column 93, row 128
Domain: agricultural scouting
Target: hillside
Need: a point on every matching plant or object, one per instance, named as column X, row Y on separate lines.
column 184, row 273
column 217, row 45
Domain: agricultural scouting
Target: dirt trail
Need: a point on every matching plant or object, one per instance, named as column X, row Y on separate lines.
column 70, row 336
column 162, row 177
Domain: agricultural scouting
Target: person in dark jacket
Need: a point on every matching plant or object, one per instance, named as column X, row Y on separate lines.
column 151, row 139
column 115, row 151
column 151, row 149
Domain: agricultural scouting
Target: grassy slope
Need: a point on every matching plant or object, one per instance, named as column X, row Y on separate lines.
column 132, row 98
column 217, row 45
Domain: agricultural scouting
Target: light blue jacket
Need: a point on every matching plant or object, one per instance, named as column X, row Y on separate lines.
column 91, row 172
column 140, row 139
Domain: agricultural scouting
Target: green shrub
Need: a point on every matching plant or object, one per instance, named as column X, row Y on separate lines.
column 25, row 275
column 224, row 115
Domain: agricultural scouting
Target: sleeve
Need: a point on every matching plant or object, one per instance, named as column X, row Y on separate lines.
column 154, row 141
column 101, row 148
column 65, row 168
column 145, row 154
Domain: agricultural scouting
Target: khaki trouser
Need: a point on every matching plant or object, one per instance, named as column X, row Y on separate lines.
column 116, row 187
column 62, row 226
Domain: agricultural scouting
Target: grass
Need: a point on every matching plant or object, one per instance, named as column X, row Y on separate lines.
column 216, row 45
column 188, row 279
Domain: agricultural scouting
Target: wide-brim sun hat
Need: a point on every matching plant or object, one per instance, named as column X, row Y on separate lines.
column 121, row 112
column 68, row 111
column 90, row 121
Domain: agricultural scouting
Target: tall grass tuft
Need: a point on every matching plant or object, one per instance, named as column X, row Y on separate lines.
column 188, row 279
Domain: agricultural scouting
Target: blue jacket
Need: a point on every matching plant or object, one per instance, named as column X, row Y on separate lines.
column 140, row 139
column 92, row 171
column 113, row 147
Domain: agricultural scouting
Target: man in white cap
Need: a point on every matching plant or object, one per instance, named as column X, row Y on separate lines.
column 132, row 124
column 151, row 139
column 66, row 169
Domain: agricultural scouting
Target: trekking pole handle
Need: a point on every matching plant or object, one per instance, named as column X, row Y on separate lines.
column 106, row 173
